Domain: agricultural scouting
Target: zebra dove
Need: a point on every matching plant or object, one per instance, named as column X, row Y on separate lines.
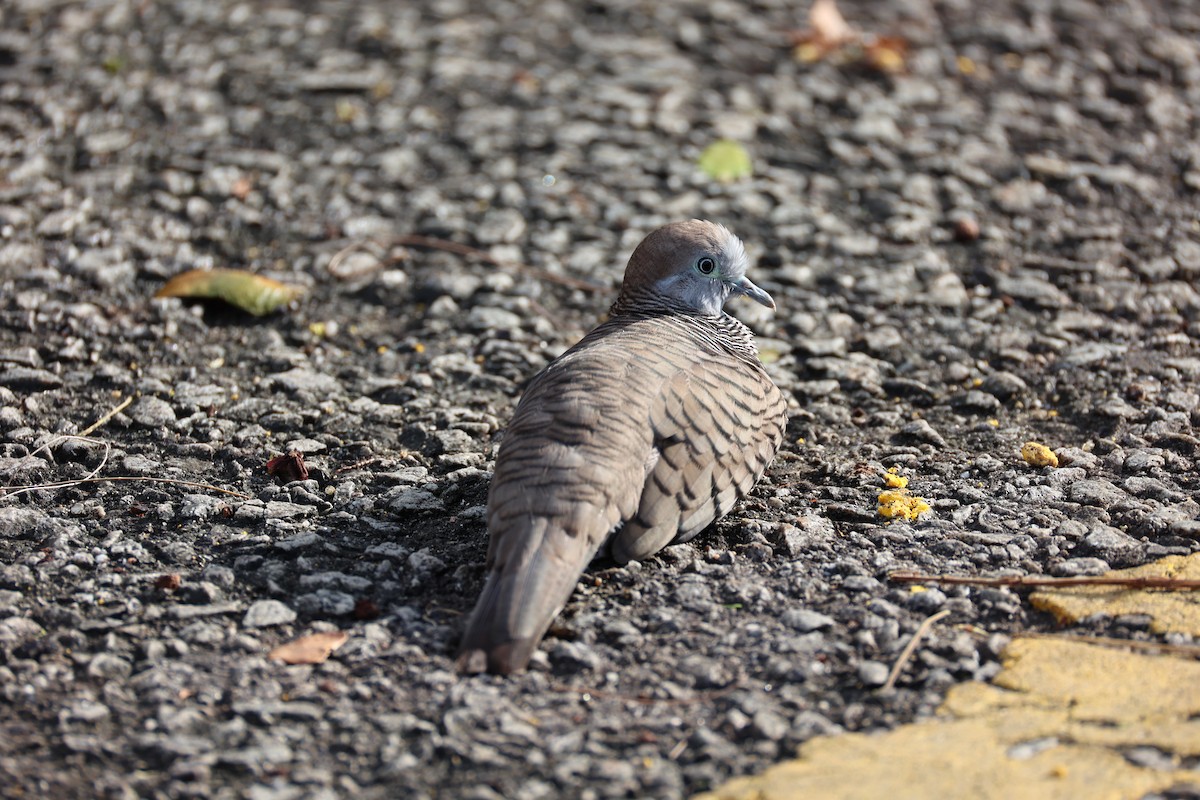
column 639, row 436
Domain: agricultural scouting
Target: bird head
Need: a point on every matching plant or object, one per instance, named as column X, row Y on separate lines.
column 695, row 264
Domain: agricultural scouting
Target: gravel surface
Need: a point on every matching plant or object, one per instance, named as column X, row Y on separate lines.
column 999, row 246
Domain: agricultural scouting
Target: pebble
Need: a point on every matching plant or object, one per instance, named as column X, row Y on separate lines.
column 805, row 620
column 873, row 673
column 267, row 613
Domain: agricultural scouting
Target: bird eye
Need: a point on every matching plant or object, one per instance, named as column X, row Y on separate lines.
column 706, row 265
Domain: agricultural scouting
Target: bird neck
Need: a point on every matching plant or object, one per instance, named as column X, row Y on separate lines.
column 640, row 302
column 716, row 331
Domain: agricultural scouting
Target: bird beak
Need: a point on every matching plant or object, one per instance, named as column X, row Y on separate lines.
column 746, row 287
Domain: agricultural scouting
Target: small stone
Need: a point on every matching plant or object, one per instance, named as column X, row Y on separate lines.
column 873, row 673
column 575, row 656
column 152, row 412
column 267, row 613
column 966, row 229
column 278, row 509
column 20, row 523
column 486, row 318
column 926, row 602
column 1097, row 492
column 302, row 381
column 109, row 665
column 1075, row 567
column 16, row 630
column 326, row 603
column 28, row 379
column 767, row 724
column 413, row 499
column 805, row 620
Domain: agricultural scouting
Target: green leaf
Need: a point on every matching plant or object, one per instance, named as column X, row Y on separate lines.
column 725, row 160
column 249, row 292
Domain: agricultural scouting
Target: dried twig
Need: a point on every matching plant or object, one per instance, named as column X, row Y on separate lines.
column 13, row 491
column 1188, row 651
column 93, row 476
column 911, row 647
column 358, row 464
column 117, row 409
column 1035, row 581
column 432, row 243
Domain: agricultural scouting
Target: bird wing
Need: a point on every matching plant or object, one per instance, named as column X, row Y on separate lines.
column 715, row 428
column 570, row 469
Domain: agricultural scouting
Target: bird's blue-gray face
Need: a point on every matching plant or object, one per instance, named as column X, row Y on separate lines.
column 710, row 271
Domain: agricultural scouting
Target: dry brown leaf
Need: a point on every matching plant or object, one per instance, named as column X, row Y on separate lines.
column 829, row 27
column 288, row 467
column 249, row 292
column 312, row 649
column 829, row 33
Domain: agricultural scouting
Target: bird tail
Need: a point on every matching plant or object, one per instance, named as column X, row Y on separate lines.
column 525, row 590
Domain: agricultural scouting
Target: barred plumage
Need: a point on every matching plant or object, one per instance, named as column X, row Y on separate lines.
column 640, row 435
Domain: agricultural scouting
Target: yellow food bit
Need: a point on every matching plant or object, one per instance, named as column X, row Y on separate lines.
column 894, row 480
column 318, row 329
column 418, row 348
column 965, row 65
column 1038, row 455
column 807, row 53
column 995, row 423
column 899, row 503
column 887, row 59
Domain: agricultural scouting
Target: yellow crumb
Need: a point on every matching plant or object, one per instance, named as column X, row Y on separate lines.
column 1038, row 455
column 894, row 480
column 899, row 503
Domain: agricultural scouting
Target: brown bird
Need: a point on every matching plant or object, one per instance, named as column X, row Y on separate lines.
column 639, row 436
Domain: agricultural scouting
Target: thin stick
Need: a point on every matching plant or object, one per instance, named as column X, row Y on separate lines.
column 357, row 464
column 57, row 440
column 911, row 648
column 1031, row 581
column 16, row 490
column 112, row 413
column 1189, row 651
